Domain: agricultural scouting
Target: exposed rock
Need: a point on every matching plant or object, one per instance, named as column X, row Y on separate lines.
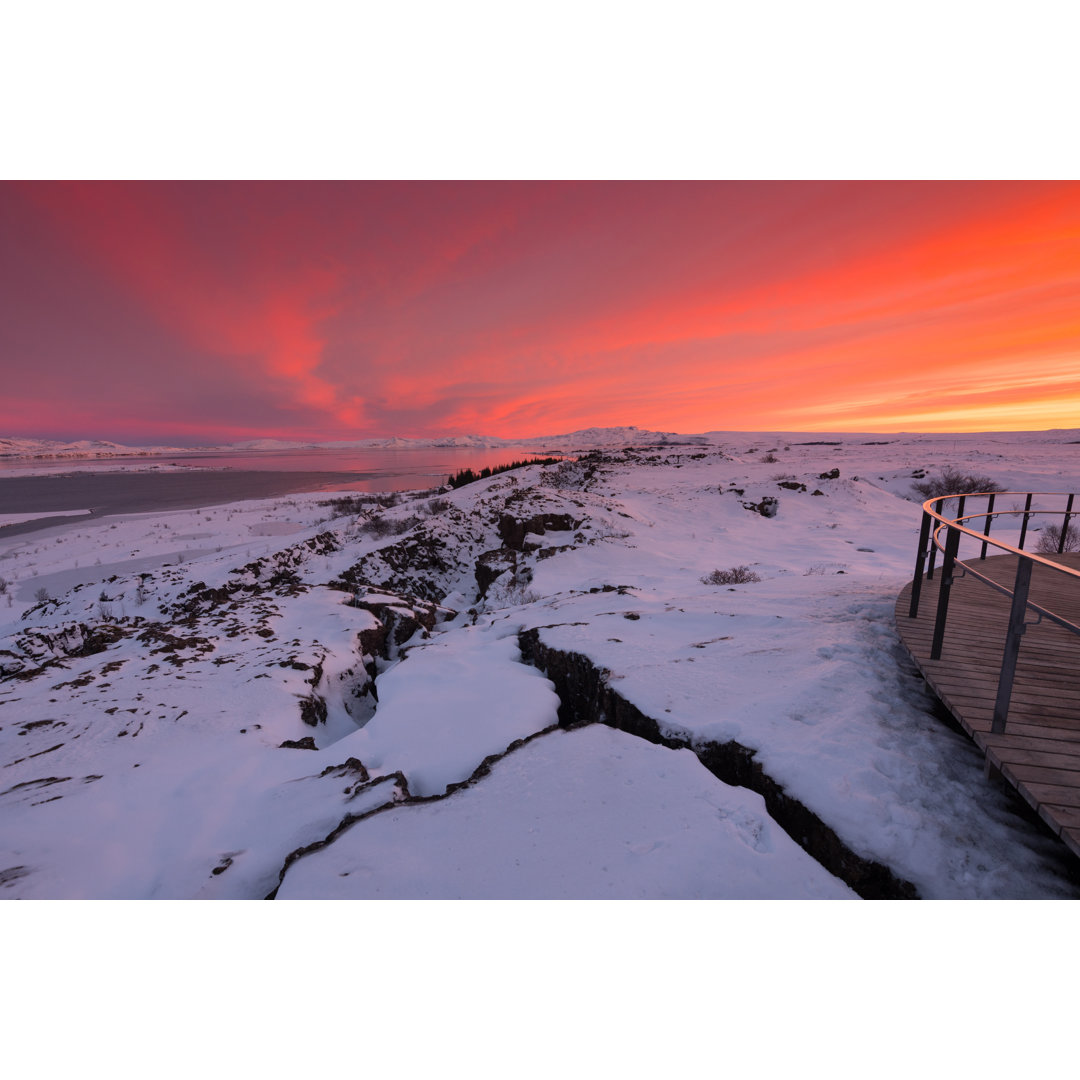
column 313, row 710
column 399, row 618
column 491, row 565
column 40, row 647
column 416, row 566
column 512, row 531
column 768, row 507
column 273, row 573
column 832, row 474
column 351, row 767
column 306, row 743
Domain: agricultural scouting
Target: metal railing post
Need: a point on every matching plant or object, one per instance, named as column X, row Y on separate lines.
column 920, row 564
column 1027, row 515
column 933, row 547
column 1065, row 526
column 986, row 529
column 1012, row 645
column 952, row 544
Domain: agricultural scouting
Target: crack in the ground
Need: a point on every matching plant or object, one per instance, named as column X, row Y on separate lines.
column 586, row 698
column 401, row 797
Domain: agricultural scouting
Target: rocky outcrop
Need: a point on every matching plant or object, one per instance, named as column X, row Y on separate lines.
column 419, row 565
column 492, row 565
column 586, row 697
column 512, row 530
column 39, row 647
column 275, row 573
column 306, row 743
column 399, row 617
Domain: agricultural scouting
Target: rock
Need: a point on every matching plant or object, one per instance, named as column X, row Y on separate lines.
column 492, row 565
column 768, row 507
column 832, row 474
column 306, row 743
column 512, row 531
column 313, row 711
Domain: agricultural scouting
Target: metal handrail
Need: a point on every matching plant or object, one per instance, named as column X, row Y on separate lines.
column 930, row 536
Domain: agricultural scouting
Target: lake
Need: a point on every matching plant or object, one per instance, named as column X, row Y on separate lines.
column 105, row 486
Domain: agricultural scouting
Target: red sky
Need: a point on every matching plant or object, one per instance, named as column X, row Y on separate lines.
column 207, row 312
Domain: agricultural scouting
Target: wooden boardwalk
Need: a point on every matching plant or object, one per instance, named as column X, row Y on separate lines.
column 1039, row 751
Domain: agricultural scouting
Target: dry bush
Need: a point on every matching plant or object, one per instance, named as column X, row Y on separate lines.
column 735, row 575
column 953, row 482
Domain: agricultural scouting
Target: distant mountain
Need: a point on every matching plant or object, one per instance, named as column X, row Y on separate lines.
column 81, row 448
column 584, row 439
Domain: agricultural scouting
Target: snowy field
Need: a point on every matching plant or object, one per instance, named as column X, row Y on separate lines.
column 306, row 698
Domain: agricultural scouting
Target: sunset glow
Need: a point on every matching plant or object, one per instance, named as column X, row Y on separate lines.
column 205, row 313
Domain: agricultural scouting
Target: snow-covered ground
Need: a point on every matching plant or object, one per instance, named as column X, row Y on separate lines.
column 330, row 699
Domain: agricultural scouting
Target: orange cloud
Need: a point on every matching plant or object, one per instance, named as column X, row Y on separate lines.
column 344, row 310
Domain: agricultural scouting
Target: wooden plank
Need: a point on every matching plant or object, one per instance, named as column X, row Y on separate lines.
column 1051, row 794
column 1015, row 756
column 1039, row 752
column 1067, row 816
column 1039, row 775
column 1069, row 744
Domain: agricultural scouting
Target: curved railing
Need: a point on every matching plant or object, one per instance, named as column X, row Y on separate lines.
column 953, row 529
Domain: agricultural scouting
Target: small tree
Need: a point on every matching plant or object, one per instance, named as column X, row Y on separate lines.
column 1050, row 540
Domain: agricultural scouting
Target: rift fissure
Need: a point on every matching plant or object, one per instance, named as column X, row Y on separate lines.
column 586, row 698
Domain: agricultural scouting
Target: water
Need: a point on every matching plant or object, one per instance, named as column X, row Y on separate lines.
column 382, row 469
column 132, row 485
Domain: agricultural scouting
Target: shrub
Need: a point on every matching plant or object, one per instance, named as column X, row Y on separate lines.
column 770, row 458
column 1050, row 539
column 953, row 482
column 347, row 504
column 736, row 575
column 380, row 527
column 42, row 594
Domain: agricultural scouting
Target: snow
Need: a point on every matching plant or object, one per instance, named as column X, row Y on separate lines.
column 18, row 519
column 453, row 702
column 143, row 707
column 588, row 814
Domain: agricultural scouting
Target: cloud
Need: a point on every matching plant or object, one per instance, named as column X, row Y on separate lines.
column 340, row 310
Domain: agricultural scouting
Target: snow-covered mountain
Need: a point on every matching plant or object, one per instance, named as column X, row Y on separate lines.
column 593, row 438
column 81, row 448
column 588, row 439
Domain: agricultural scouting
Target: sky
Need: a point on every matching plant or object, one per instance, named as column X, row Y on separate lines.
column 196, row 313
